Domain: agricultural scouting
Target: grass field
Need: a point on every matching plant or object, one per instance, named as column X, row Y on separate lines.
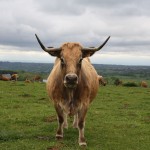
column 118, row 119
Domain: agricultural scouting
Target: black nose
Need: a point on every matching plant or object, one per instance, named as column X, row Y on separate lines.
column 71, row 78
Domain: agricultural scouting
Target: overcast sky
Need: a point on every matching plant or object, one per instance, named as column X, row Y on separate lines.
column 88, row 22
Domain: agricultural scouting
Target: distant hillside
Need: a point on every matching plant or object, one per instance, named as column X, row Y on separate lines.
column 27, row 67
column 127, row 71
column 105, row 70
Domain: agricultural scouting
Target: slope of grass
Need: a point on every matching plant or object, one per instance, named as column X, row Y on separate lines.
column 118, row 119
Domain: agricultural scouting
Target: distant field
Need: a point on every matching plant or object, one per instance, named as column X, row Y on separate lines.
column 118, row 119
column 120, row 71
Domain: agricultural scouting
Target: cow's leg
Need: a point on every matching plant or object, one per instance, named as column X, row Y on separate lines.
column 75, row 122
column 65, row 125
column 81, row 124
column 59, row 133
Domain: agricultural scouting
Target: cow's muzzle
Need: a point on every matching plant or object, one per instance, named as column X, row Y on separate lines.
column 71, row 80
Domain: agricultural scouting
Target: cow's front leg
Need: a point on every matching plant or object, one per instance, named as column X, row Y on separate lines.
column 75, row 121
column 81, row 124
column 60, row 117
column 65, row 125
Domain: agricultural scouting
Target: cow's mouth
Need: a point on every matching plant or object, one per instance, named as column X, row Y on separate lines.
column 71, row 86
column 71, row 80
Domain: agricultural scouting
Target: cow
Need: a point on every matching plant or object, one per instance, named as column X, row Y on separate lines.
column 118, row 82
column 102, row 81
column 37, row 78
column 4, row 78
column 72, row 84
column 14, row 77
column 27, row 81
column 144, row 84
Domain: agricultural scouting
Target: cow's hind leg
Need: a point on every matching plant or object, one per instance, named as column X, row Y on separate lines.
column 59, row 133
column 81, row 124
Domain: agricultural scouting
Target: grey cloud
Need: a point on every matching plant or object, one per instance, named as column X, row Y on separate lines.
column 102, row 3
column 118, row 7
column 88, row 22
column 57, row 7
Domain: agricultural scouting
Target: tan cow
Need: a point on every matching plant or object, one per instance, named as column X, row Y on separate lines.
column 37, row 78
column 144, row 84
column 27, row 81
column 102, row 81
column 72, row 84
column 14, row 77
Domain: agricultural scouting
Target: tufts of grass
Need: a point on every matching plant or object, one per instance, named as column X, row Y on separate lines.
column 118, row 119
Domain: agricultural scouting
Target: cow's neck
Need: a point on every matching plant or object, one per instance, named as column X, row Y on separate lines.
column 70, row 95
column 71, row 98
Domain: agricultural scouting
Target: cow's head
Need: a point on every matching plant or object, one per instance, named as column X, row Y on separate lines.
column 71, row 55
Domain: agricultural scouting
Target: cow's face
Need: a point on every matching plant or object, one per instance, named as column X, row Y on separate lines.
column 70, row 60
column 71, row 55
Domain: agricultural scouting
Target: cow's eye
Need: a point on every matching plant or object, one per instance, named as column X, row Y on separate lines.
column 80, row 60
column 62, row 61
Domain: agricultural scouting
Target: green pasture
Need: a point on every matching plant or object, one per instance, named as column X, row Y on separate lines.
column 118, row 119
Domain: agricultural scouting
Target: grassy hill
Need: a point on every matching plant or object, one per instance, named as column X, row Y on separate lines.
column 118, row 119
column 27, row 67
column 105, row 70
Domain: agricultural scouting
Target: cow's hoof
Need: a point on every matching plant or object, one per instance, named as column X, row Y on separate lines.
column 59, row 137
column 82, row 141
column 82, row 144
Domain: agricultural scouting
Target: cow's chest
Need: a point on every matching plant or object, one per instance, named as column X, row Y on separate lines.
column 70, row 107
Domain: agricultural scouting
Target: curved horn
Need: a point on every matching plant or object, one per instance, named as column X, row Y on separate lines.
column 50, row 49
column 96, row 49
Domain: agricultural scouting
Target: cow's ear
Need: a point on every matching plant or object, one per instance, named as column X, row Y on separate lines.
column 55, row 53
column 87, row 53
column 51, row 50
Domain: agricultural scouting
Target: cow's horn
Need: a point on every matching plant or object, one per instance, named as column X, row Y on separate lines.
column 50, row 49
column 97, row 48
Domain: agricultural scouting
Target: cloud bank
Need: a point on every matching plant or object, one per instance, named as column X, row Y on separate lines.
column 88, row 22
